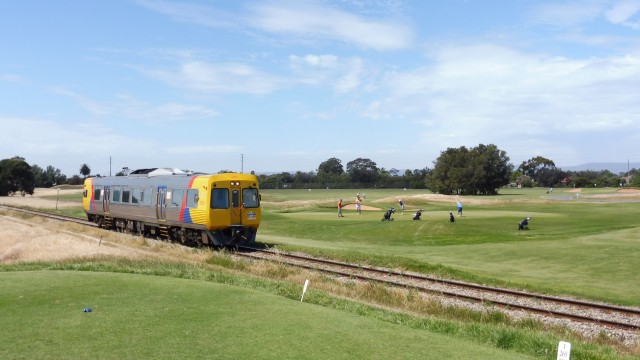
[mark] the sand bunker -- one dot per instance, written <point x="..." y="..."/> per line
<point x="362" y="207"/>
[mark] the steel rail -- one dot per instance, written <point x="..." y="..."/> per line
<point x="50" y="216"/>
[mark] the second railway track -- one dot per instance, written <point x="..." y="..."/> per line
<point x="599" y="314"/>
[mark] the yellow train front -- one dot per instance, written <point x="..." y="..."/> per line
<point x="219" y="209"/>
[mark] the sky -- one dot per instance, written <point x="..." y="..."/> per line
<point x="272" y="86"/>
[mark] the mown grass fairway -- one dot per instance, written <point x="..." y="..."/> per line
<point x="586" y="244"/>
<point x="156" y="317"/>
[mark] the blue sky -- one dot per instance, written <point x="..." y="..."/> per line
<point x="284" y="85"/>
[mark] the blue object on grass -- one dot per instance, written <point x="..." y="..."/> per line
<point x="87" y="310"/>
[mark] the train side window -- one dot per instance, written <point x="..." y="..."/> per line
<point x="126" y="194"/>
<point x="116" y="194"/>
<point x="96" y="194"/>
<point x="192" y="198"/>
<point x="135" y="195"/>
<point x="250" y="198"/>
<point x="146" y="196"/>
<point x="220" y="199"/>
<point x="176" y="197"/>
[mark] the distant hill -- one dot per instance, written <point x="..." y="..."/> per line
<point x="615" y="168"/>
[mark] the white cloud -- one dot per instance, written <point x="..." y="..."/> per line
<point x="203" y="150"/>
<point x="192" y="13"/>
<point x="219" y="78"/>
<point x="567" y="13"/>
<point x="86" y="103"/>
<point x="343" y="75"/>
<point x="133" y="108"/>
<point x="11" y="78"/>
<point x="323" y="61"/>
<point x="312" y="20"/>
<point x="351" y="79"/>
<point x="622" y="12"/>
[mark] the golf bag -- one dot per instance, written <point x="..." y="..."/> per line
<point x="387" y="215"/>
<point x="417" y="215"/>
<point x="524" y="224"/>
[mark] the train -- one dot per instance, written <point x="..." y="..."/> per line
<point x="191" y="208"/>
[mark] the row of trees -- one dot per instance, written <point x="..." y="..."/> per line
<point x="359" y="173"/>
<point x="17" y="176"/>
<point x="480" y="170"/>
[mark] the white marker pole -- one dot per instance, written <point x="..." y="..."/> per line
<point x="304" y="289"/>
<point x="564" y="351"/>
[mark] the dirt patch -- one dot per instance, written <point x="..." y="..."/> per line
<point x="422" y="198"/>
<point x="633" y="191"/>
<point x="25" y="241"/>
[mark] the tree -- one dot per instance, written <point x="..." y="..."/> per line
<point x="16" y="176"/>
<point x="330" y="171"/>
<point x="39" y="177"/>
<point x="533" y="166"/>
<point x="363" y="170"/>
<point x="332" y="166"/>
<point x="303" y="178"/>
<point x="479" y="171"/>
<point x="491" y="169"/>
<point x="451" y="172"/>
<point x="74" y="180"/>
<point x="85" y="171"/>
<point x="635" y="178"/>
<point x="48" y="177"/>
<point x="549" y="177"/>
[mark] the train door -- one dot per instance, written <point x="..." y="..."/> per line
<point x="106" y="196"/>
<point x="161" y="203"/>
<point x="236" y="207"/>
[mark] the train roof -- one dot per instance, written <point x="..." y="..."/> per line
<point x="159" y="172"/>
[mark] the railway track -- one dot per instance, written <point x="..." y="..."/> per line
<point x="591" y="313"/>
<point x="49" y="215"/>
<point x="549" y="306"/>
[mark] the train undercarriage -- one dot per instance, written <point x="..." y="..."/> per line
<point x="235" y="235"/>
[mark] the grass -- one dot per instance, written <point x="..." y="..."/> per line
<point x="137" y="316"/>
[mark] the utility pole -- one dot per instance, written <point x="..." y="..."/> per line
<point x="241" y="163"/>
<point x="109" y="165"/>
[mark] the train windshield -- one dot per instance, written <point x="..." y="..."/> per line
<point x="220" y="199"/>
<point x="250" y="198"/>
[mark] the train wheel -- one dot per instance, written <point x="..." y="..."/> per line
<point x="193" y="238"/>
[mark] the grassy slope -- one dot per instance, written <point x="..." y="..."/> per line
<point x="136" y="316"/>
